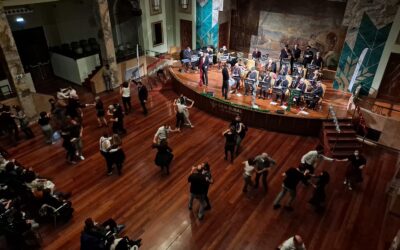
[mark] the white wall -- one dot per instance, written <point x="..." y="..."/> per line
<point x="185" y="16"/>
<point x="147" y="20"/>
<point x="390" y="47"/>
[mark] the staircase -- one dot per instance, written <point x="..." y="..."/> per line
<point x="339" y="144"/>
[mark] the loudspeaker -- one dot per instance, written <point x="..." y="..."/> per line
<point x="280" y="111"/>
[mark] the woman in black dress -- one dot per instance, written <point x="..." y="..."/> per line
<point x="164" y="155"/>
<point x="318" y="198"/>
<point x="230" y="142"/>
<point x="117" y="154"/>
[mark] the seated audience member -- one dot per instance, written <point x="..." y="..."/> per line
<point x="56" y="202"/>
<point x="293" y="243"/>
<point x="186" y="57"/>
<point x="125" y="243"/>
<point x="97" y="237"/>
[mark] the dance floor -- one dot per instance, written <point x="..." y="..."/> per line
<point x="154" y="207"/>
<point x="337" y="99"/>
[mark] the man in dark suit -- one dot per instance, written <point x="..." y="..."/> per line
<point x="143" y="94"/>
<point x="296" y="53"/>
<point x="271" y="66"/>
<point x="318" y="61"/>
<point x="308" y="56"/>
<point x="225" y="81"/>
<point x="204" y="63"/>
<point x="256" y="54"/>
<point x="285" y="54"/>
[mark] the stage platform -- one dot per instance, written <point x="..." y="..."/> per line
<point x="294" y="121"/>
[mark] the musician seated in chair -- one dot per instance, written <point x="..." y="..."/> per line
<point x="256" y="54"/>
<point x="284" y="70"/>
<point x="299" y="71"/>
<point x="236" y="70"/>
<point x="283" y="84"/>
<point x="271" y="66"/>
<point x="186" y="58"/>
<point x="253" y="78"/>
<point x="265" y="85"/>
<point x="302" y="87"/>
<point x="318" y="61"/>
<point x="317" y="95"/>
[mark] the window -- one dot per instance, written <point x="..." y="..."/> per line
<point x="157" y="33"/>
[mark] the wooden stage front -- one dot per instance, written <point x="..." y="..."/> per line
<point x="293" y="121"/>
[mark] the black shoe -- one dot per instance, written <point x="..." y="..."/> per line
<point x="277" y="206"/>
<point x="189" y="207"/>
<point x="200" y="217"/>
<point x="207" y="208"/>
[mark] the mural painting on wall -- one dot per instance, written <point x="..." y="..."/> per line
<point x="366" y="36"/>
<point x="206" y="29"/>
<point x="322" y="34"/>
<point x="369" y="25"/>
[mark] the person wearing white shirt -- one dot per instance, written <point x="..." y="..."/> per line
<point x="125" y="91"/>
<point x="309" y="160"/>
<point x="182" y="114"/>
<point x="293" y="243"/>
<point x="162" y="133"/>
<point x="248" y="173"/>
<point x="105" y="144"/>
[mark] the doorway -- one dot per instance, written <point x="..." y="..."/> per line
<point x="33" y="51"/>
<point x="223" y="35"/>
<point x="186" y="33"/>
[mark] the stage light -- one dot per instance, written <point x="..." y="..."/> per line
<point x="20" y="20"/>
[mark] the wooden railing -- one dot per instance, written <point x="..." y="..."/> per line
<point x="370" y="104"/>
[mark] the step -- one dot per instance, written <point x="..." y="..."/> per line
<point x="342" y="138"/>
<point x="341" y="124"/>
<point x="344" y="145"/>
<point x="342" y="154"/>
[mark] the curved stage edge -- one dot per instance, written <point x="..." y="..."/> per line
<point x="263" y="119"/>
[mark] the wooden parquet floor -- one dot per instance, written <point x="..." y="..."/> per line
<point x="154" y="207"/>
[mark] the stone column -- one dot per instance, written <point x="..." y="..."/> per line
<point x="107" y="43"/>
<point x="14" y="64"/>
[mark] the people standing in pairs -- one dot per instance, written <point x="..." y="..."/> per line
<point x="76" y="130"/>
<point x="67" y="143"/>
<point x="117" y="119"/>
<point x="198" y="186"/>
<point x="105" y="145"/>
<point x="240" y="130"/>
<point x="230" y="141"/>
<point x="354" y="169"/>
<point x="206" y="172"/>
<point x="318" y="198"/>
<point x="164" y="156"/>
<point x="125" y="91"/>
<point x="117" y="153"/>
<point x="143" y="95"/>
<point x="100" y="112"/>
<point x="248" y="174"/>
<point x="182" y="114"/>
<point x="44" y="123"/>
<point x="163" y="133"/>
<point x="292" y="178"/>
<point x="262" y="163"/>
